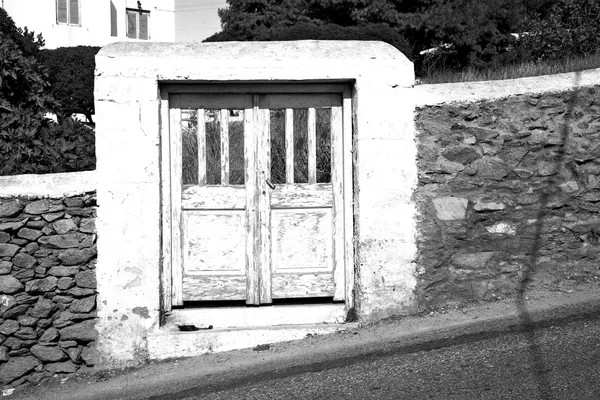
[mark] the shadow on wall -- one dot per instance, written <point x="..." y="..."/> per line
<point x="508" y="200"/>
<point x="552" y="184"/>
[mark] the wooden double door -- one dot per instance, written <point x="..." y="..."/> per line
<point x="257" y="197"/>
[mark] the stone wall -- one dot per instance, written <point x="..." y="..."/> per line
<point x="508" y="195"/>
<point x="47" y="286"/>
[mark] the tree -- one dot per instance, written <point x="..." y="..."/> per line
<point x="571" y="28"/>
<point x="30" y="143"/>
<point x="23" y="82"/>
<point x="472" y="32"/>
<point x="71" y="77"/>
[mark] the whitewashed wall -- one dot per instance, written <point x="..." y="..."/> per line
<point x="128" y="76"/>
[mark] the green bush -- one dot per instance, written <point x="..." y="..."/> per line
<point x="572" y="28"/>
<point x="71" y="77"/>
<point x="30" y="143"/>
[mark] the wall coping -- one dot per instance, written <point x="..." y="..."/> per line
<point x="48" y="185"/>
<point x="432" y="94"/>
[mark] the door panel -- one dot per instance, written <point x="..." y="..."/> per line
<point x="302" y="215"/>
<point x="301" y="241"/>
<point x="213" y="196"/>
<point x="257" y="205"/>
<point x="213" y="243"/>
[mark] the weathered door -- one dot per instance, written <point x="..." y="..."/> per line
<point x="257" y="197"/>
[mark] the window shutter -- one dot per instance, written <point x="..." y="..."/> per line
<point x="61" y="11"/>
<point x="74" y="12"/>
<point x="113" y="19"/>
<point x="143" y="26"/>
<point x="131" y="25"/>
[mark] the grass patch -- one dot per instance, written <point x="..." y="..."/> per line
<point x="533" y="68"/>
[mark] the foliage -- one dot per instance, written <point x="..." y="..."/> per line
<point x="26" y="41"/>
<point x="571" y="28"/>
<point x="467" y="33"/>
<point x="312" y="31"/>
<point x="30" y="143"/>
<point x="516" y="70"/>
<point x="53" y="148"/>
<point x="71" y="77"/>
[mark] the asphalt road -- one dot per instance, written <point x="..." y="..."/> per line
<point x="559" y="361"/>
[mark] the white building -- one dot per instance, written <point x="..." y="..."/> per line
<point x="99" y="22"/>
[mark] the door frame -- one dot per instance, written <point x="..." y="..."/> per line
<point x="168" y="168"/>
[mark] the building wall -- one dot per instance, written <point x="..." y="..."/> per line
<point x="95" y="26"/>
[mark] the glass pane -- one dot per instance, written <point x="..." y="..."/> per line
<point x="236" y="147"/>
<point x="301" y="145"/>
<point x="189" y="147"/>
<point x="278" y="164"/>
<point x="213" y="147"/>
<point x="132" y="25"/>
<point x="323" y="145"/>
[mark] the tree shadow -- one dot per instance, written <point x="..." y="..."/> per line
<point x="527" y="323"/>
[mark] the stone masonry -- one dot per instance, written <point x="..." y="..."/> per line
<point x="508" y="196"/>
<point x="47" y="287"/>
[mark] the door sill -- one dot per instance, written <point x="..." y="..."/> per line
<point x="172" y="343"/>
<point x="252" y="317"/>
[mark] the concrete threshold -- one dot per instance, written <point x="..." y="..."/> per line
<point x="170" y="342"/>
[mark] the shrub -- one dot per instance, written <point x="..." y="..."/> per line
<point x="572" y="28"/>
<point x="65" y="147"/>
<point x="71" y="77"/>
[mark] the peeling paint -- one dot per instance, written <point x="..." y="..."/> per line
<point x="133" y="283"/>
<point x="141" y="311"/>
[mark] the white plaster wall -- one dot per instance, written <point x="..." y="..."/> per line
<point x="48" y="185"/>
<point x="432" y="94"/>
<point x="127" y="115"/>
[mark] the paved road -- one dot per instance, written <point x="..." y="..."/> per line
<point x="560" y="361"/>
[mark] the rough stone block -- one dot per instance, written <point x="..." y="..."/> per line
<point x="10" y="284"/>
<point x="65" y="367"/>
<point x="473" y="260"/>
<point x="82" y="332"/>
<point x="16" y="311"/>
<point x="63" y="271"/>
<point x="77" y="257"/>
<point x="9" y="327"/>
<point x="6" y="303"/>
<point x="41" y="285"/>
<point x="5" y="267"/>
<point x="86" y="279"/>
<point x="26" y="333"/>
<point x="48" y="353"/>
<point x="19" y="242"/>
<point x="50" y="335"/>
<point x="84" y="305"/>
<point x="4" y="237"/>
<point x="8" y="250"/>
<point x="12" y="226"/>
<point x="65" y="283"/>
<point x="450" y="208"/>
<point x="27" y="321"/>
<point x="43" y="308"/>
<point x="63" y="226"/>
<point x="60" y="241"/>
<point x="29" y="234"/>
<point x="74" y="202"/>
<point x="24" y="260"/>
<point x="10" y="208"/>
<point x="17" y="367"/>
<point x="87" y="225"/>
<point x="43" y="206"/>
